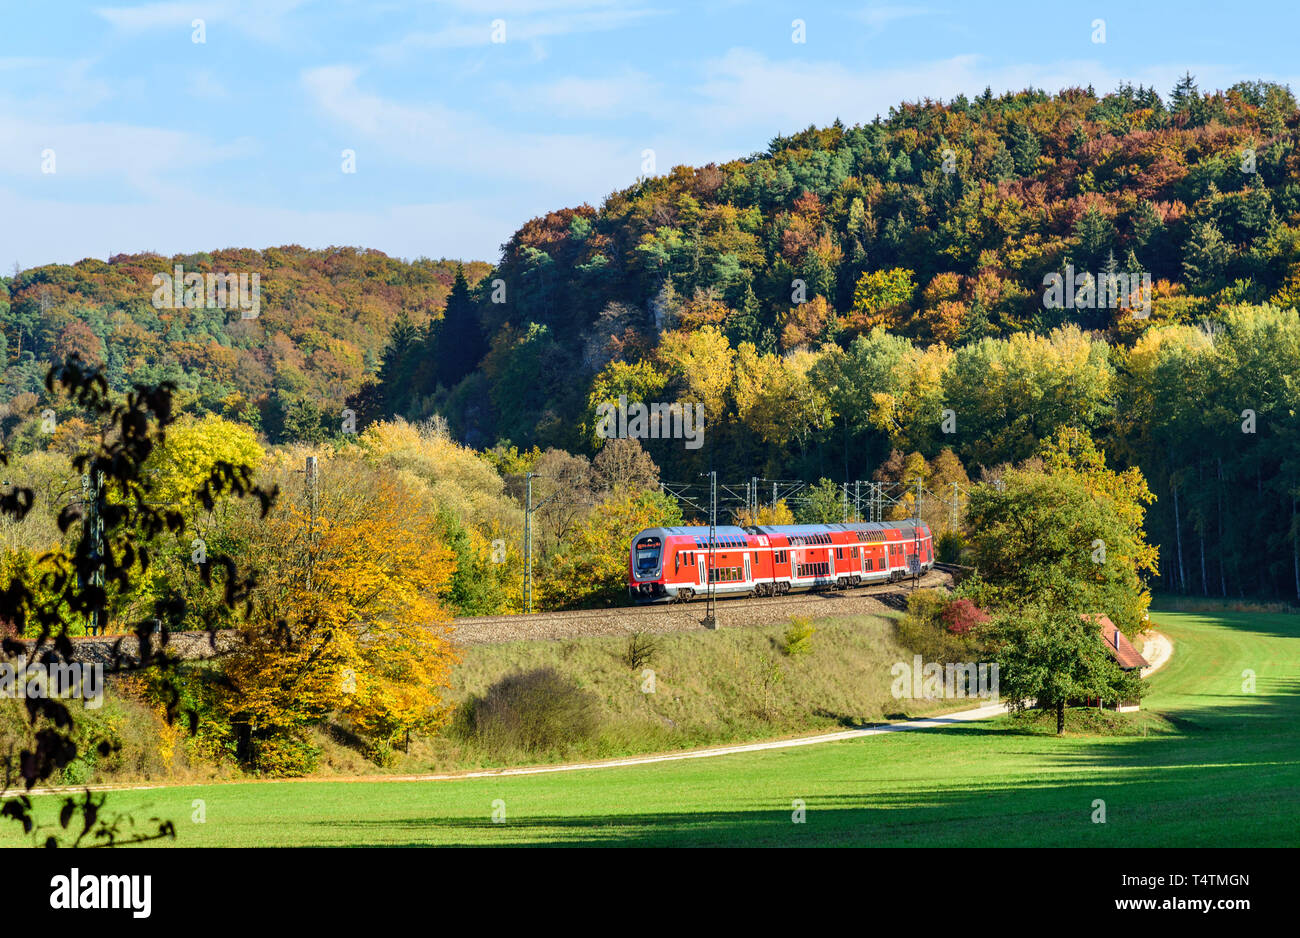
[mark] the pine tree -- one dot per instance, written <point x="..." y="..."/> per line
<point x="1024" y="147"/>
<point x="1183" y="94"/>
<point x="1205" y="257"/>
<point x="1002" y="166"/>
<point x="461" y="345"/>
<point x="397" y="364"/>
<point x="743" y="324"/>
<point x="1095" y="236"/>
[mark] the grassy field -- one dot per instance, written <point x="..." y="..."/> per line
<point x="1221" y="767"/>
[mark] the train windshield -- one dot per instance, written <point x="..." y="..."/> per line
<point x="647" y="555"/>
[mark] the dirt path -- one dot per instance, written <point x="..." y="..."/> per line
<point x="1157" y="649"/>
<point x="949" y="719"/>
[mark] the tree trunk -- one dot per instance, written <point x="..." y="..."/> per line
<point x="1060" y="717"/>
<point x="1178" y="536"/>
<point x="1223" y="548"/>
<point x="1205" y="589"/>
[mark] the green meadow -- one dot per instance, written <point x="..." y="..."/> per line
<point x="1210" y="761"/>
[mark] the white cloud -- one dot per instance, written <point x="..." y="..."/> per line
<point x="619" y="94"/>
<point x="263" y="20"/>
<point x="524" y="23"/>
<point x="433" y="135"/>
<point x="83" y="150"/>
<point x="879" y="16"/>
<point x="744" y="89"/>
<point x="204" y="84"/>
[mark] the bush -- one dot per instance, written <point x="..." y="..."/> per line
<point x="924" y="630"/>
<point x="962" y="616"/>
<point x="926" y="605"/>
<point x="798" y="638"/>
<point x="949" y="547"/>
<point x="533" y="711"/>
<point x="641" y="648"/>
<point x="286" y="755"/>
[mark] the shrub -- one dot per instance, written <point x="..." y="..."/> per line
<point x="285" y="755"/>
<point x="924" y="630"/>
<point x="534" y="711"/>
<point x="798" y="638"/>
<point x="640" y="649"/>
<point x="949" y="547"/>
<point x="926" y="605"/>
<point x="961" y="616"/>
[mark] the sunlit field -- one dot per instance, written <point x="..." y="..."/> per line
<point x="1218" y="765"/>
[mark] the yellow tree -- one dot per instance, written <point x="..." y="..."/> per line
<point x="347" y="617"/>
<point x="779" y="513"/>
<point x="591" y="567"/>
<point x="192" y="449"/>
<point x="700" y="364"/>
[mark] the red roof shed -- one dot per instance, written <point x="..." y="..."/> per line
<point x="1117" y="644"/>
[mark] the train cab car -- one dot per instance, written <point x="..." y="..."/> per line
<point x="679" y="564"/>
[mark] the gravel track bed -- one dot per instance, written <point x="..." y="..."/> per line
<point x="555" y="626"/>
<point x="686" y="617"/>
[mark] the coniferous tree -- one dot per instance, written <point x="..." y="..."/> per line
<point x="461" y="345"/>
<point x="1024" y="147"/>
<point x="1095" y="236"/>
<point x="396" y="365"/>
<point x="1205" y="257"/>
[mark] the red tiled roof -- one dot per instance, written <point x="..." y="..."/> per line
<point x="1118" y="645"/>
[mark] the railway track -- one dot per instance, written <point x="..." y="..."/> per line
<point x="617" y="620"/>
<point x="676" y="617"/>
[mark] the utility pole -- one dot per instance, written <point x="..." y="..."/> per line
<point x="953" y="521"/>
<point x="309" y="477"/>
<point x="710" y="617"/>
<point x="754" y="480"/>
<point x="528" y="542"/>
<point x="92" y="487"/>
<point x="844" y="501"/>
<point x="857" y="499"/>
<point x="916" y="537"/>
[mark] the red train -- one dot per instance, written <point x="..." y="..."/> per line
<point x="672" y="564"/>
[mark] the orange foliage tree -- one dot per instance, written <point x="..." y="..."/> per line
<point x="348" y="617"/>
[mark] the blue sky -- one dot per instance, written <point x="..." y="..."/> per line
<point x="161" y="143"/>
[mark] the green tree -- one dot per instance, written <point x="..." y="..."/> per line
<point x="460" y="341"/>
<point x="1205" y="257"/>
<point x="1052" y="539"/>
<point x="1048" y="657"/>
<point x="822" y="503"/>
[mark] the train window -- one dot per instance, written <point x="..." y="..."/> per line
<point x="647" y="555"/>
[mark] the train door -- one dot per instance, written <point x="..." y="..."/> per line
<point x="703" y="568"/>
<point x="748" y="575"/>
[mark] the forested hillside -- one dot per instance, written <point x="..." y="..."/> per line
<point x="856" y="302"/>
<point x="828" y="300"/>
<point x="322" y="323"/>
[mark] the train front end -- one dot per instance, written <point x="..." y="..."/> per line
<point x="646" y="582"/>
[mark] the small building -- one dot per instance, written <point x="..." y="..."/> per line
<point x="1125" y="655"/>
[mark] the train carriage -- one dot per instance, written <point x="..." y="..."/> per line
<point x="676" y="565"/>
